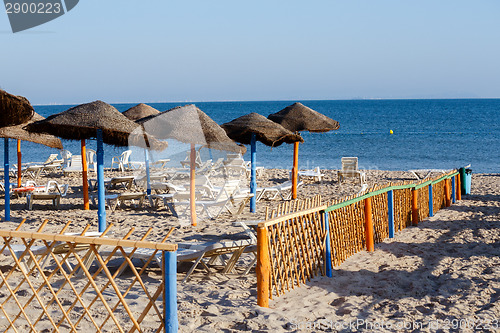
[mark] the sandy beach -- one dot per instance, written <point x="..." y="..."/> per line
<point x="445" y="269"/>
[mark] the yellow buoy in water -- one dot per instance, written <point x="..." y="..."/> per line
<point x="391" y="132"/>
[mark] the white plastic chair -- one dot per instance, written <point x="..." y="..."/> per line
<point x="92" y="159"/>
<point x="122" y="161"/>
<point x="66" y="156"/>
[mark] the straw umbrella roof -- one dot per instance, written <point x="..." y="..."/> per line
<point x="17" y="132"/>
<point x="14" y="110"/>
<point x="140" y="111"/>
<point x="189" y="124"/>
<point x="298" y="117"/>
<point x="82" y="122"/>
<point x="268" y="132"/>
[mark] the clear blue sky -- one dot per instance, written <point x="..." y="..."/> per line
<point x="199" y="50"/>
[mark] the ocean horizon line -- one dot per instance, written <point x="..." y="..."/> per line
<point x="288" y="100"/>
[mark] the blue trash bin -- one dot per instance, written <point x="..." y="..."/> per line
<point x="468" y="180"/>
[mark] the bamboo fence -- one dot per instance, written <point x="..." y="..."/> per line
<point x="296" y="245"/>
<point x="292" y="206"/>
<point x="60" y="282"/>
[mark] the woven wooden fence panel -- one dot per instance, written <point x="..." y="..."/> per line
<point x="71" y="287"/>
<point x="296" y="251"/>
<point x="380" y="216"/>
<point x="423" y="203"/>
<point x="402" y="209"/>
<point x="347" y="231"/>
<point x="438" y="196"/>
<point x="292" y="206"/>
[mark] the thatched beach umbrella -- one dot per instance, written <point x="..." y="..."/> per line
<point x="92" y="120"/>
<point x="18" y="133"/>
<point x="298" y="117"/>
<point x="140" y="111"/>
<point x="254" y="127"/>
<point x="188" y="124"/>
<point x="14" y="110"/>
<point x="136" y="113"/>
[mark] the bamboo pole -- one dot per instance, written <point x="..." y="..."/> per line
<point x="370" y="247"/>
<point x="262" y="268"/>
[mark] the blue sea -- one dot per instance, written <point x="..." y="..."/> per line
<point x="437" y="134"/>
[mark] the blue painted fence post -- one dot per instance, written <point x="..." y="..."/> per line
<point x="253" y="175"/>
<point x="431" y="201"/>
<point x="390" y="209"/>
<point x="170" y="291"/>
<point x="453" y="192"/>
<point x="328" y="248"/>
<point x="101" y="208"/>
<point x="6" y="178"/>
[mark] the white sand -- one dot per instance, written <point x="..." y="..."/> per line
<point x="448" y="267"/>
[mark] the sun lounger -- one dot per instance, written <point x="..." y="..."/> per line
<point x="282" y="190"/>
<point x="219" y="204"/>
<point x="350" y="169"/>
<point x="191" y="252"/>
<point x="75" y="165"/>
<point x="114" y="200"/>
<point x="427" y="172"/>
<point x="52" y="191"/>
<point x="315" y="173"/>
<point x="40" y="252"/>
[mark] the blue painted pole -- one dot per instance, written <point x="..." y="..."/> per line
<point x="253" y="174"/>
<point x="453" y="192"/>
<point x="328" y="248"/>
<point x="170" y="291"/>
<point x="148" y="177"/>
<point x="6" y="178"/>
<point x="431" y="201"/>
<point x="101" y="205"/>
<point x="390" y="208"/>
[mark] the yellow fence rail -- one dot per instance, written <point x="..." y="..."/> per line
<point x="295" y="247"/>
<point x="61" y="282"/>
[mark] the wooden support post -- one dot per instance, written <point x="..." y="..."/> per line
<point x="453" y="187"/>
<point x="295" y="169"/>
<point x="86" y="205"/>
<point x="170" y="291"/>
<point x="19" y="160"/>
<point x="431" y="201"/>
<point x="390" y="208"/>
<point x="414" y="207"/>
<point x="263" y="268"/>
<point x="447" y="199"/>
<point x="192" y="186"/>
<point x="459" y="188"/>
<point x="370" y="243"/>
<point x="328" y="247"/>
